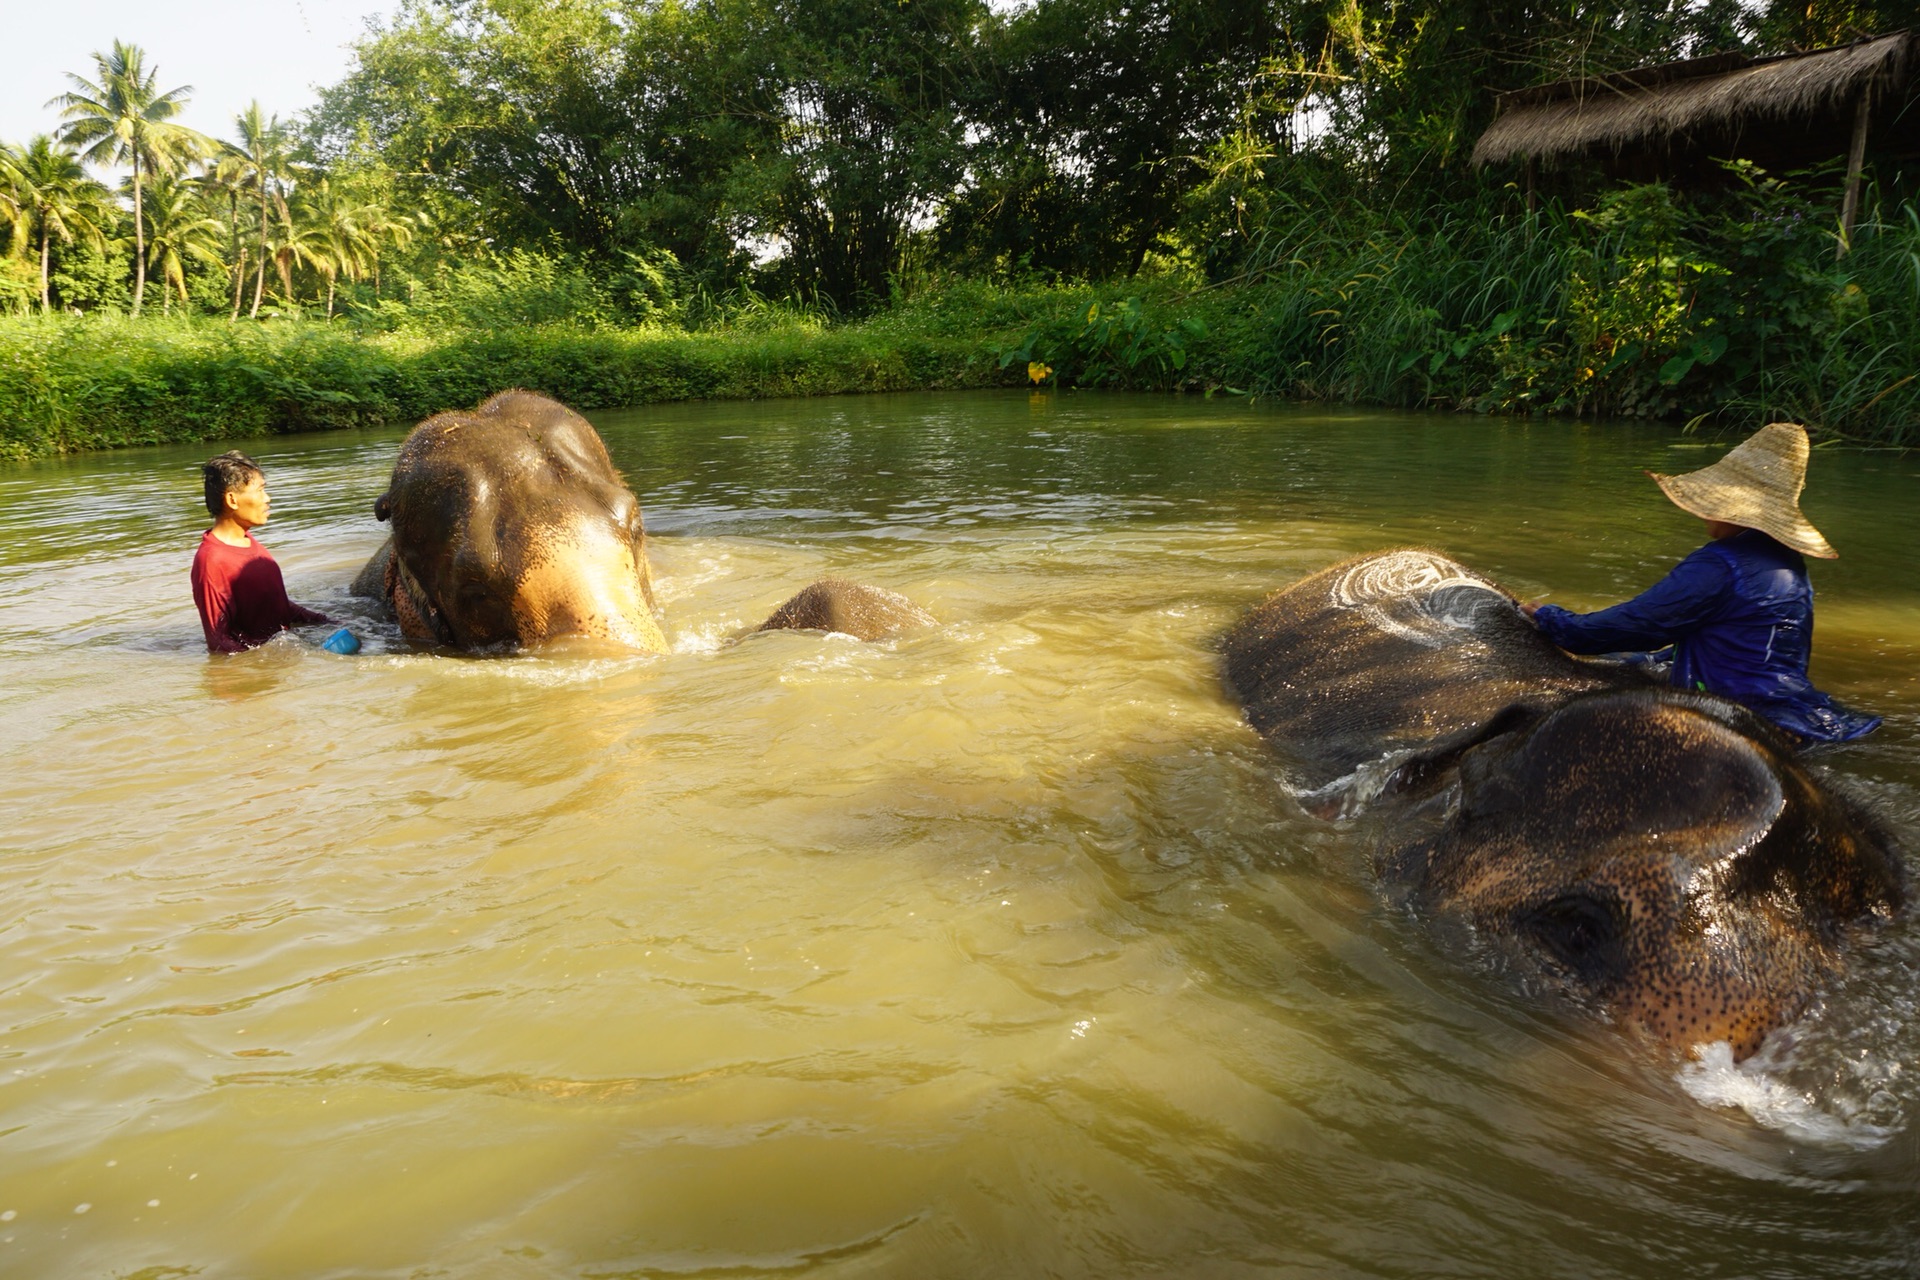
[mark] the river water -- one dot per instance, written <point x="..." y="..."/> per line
<point x="993" y="951"/>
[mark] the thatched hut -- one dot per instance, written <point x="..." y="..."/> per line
<point x="1783" y="112"/>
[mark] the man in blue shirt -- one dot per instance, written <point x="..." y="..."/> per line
<point x="1739" y="611"/>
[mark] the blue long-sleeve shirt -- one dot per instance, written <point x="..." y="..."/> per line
<point x="1739" y="615"/>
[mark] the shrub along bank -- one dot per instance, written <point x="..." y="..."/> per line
<point x="1734" y="310"/>
<point x="84" y="383"/>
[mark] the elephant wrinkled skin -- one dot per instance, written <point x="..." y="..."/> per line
<point x="511" y="527"/>
<point x="1659" y="852"/>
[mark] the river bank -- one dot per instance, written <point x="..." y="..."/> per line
<point x="78" y="384"/>
<point x="1635" y="308"/>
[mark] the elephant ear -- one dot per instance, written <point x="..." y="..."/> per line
<point x="1390" y="656"/>
<point x="1830" y="855"/>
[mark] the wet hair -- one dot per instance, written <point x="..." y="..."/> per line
<point x="231" y="470"/>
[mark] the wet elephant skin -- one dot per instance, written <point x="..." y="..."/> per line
<point x="1664" y="855"/>
<point x="512" y="527"/>
<point x="849" y="608"/>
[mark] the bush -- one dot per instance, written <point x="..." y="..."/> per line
<point x="1642" y="304"/>
<point x="87" y="382"/>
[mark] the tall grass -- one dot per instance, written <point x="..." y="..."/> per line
<point x="1734" y="307"/>
<point x="73" y="383"/>
<point x="1641" y="304"/>
<point x="1853" y="364"/>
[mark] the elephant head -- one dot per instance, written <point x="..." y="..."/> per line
<point x="1663" y="853"/>
<point x="512" y="527"/>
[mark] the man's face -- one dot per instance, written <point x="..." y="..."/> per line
<point x="249" y="504"/>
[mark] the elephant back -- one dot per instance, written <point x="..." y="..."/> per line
<point x="1392" y="653"/>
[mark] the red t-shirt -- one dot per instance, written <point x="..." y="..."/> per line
<point x="241" y="596"/>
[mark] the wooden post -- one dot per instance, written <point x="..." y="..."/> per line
<point x="1530" y="197"/>
<point x="1856" y="160"/>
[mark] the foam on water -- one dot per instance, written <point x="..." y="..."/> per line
<point x="1760" y="1088"/>
<point x="710" y="637"/>
<point x="1351" y="793"/>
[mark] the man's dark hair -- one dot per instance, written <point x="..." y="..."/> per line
<point x="231" y="470"/>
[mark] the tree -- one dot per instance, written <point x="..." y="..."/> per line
<point x="14" y="289"/>
<point x="181" y="230"/>
<point x="260" y="157"/>
<point x="505" y="117"/>
<point x="866" y="139"/>
<point x="54" y="200"/>
<point x="335" y="237"/>
<point x="1808" y="24"/>
<point x="686" y="125"/>
<point x="382" y="224"/>
<point x="123" y="120"/>
<point x="10" y="204"/>
<point x="299" y="239"/>
<point x="227" y="176"/>
<point x="1091" y="118"/>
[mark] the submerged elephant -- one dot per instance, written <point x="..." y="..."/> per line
<point x="1661" y="853"/>
<point x="848" y="608"/>
<point x="512" y="527"/>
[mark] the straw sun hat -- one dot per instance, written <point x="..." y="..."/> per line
<point x="1757" y="486"/>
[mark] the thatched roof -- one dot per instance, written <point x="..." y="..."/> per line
<point x="1722" y="95"/>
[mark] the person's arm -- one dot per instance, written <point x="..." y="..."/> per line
<point x="300" y="616"/>
<point x="290" y="614"/>
<point x="1667" y="611"/>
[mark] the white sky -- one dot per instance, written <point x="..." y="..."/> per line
<point x="230" y="51"/>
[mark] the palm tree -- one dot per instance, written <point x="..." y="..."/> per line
<point x="9" y="195"/>
<point x="227" y="176"/>
<point x="55" y="200"/>
<point x="381" y="224"/>
<point x="182" y="229"/>
<point x="299" y="240"/>
<point x="345" y="235"/>
<point x="123" y="120"/>
<point x="261" y="154"/>
<point x="13" y="224"/>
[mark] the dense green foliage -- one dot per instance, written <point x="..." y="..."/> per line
<point x="88" y="382"/>
<point x="1641" y="305"/>
<point x="600" y="197"/>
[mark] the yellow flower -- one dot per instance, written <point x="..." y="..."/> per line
<point x="1038" y="372"/>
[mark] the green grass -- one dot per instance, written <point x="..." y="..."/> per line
<point x="1640" y="306"/>
<point x="75" y="383"/>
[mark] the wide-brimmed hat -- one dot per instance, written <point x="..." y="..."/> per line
<point x="1757" y="486"/>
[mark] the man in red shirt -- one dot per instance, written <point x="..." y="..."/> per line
<point x="236" y="583"/>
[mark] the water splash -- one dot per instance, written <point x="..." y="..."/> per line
<point x="1765" y="1088"/>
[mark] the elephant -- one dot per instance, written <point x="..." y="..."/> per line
<point x="511" y="527"/>
<point x="1662" y="855"/>
<point x="849" y="608"/>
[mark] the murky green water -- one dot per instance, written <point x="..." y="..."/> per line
<point x="997" y="951"/>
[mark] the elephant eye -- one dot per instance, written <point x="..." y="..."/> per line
<point x="1581" y="932"/>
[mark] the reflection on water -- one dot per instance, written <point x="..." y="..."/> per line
<point x="995" y="950"/>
